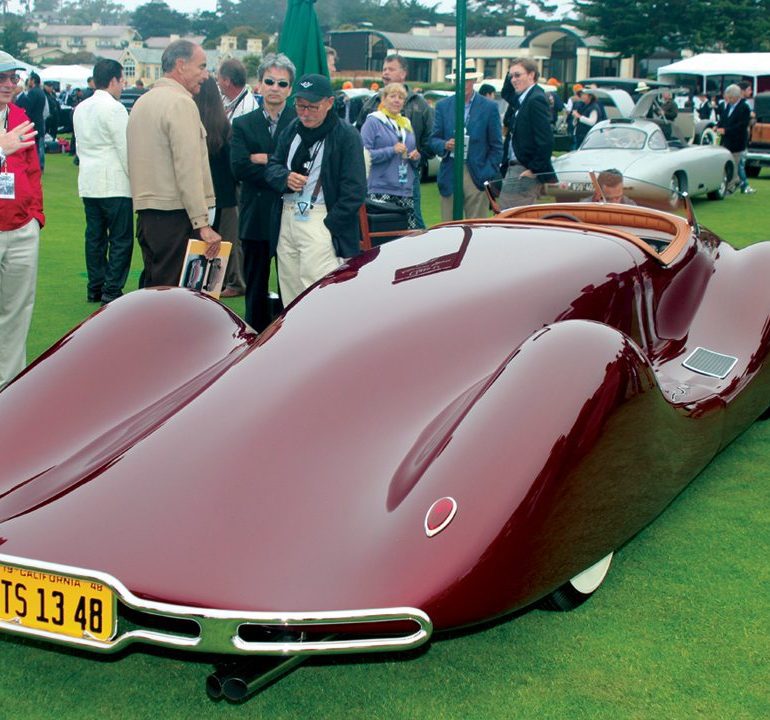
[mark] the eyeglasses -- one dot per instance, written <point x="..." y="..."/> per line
<point x="279" y="83"/>
<point x="304" y="108"/>
<point x="9" y="78"/>
<point x="517" y="75"/>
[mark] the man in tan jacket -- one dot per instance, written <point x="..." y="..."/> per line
<point x="168" y="166"/>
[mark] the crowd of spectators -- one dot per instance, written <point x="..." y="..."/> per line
<point x="204" y="157"/>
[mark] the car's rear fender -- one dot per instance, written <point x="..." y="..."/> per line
<point x="566" y="456"/>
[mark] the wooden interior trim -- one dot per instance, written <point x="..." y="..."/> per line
<point x="597" y="216"/>
<point x="366" y="235"/>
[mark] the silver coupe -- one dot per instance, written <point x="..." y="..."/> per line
<point x="639" y="148"/>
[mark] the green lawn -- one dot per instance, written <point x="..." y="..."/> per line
<point x="679" y="630"/>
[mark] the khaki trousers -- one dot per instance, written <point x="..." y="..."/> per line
<point x="475" y="201"/>
<point x="18" y="278"/>
<point x="305" y="251"/>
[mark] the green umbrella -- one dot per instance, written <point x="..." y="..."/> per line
<point x="301" y="38"/>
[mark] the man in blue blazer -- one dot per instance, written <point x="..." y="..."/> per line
<point x="483" y="148"/>
<point x="529" y="142"/>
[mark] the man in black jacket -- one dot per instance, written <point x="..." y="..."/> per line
<point x="319" y="167"/>
<point x="54" y="109"/>
<point x="733" y="126"/>
<point x="529" y="142"/>
<point x="255" y="136"/>
<point x="36" y="106"/>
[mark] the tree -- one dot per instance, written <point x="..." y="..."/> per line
<point x="208" y="24"/>
<point x="85" y="12"/>
<point x="46" y="6"/>
<point x="251" y="62"/>
<point x="491" y="18"/>
<point x="265" y="15"/>
<point x="14" y="37"/>
<point x="158" y="19"/>
<point x="639" y="27"/>
<point x="736" y="25"/>
<point x="83" y="57"/>
<point x="629" y="27"/>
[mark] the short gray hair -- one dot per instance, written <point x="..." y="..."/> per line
<point x="276" y="60"/>
<point x="177" y="50"/>
<point x="732" y="91"/>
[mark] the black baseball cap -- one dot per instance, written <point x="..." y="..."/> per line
<point x="313" y="88"/>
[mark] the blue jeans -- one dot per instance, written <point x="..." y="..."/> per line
<point x="743" y="181"/>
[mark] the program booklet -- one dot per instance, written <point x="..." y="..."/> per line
<point x="201" y="274"/>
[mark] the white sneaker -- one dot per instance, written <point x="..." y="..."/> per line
<point x="748" y="190"/>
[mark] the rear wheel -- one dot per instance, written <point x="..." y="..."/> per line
<point x="708" y="137"/>
<point x="576" y="591"/>
<point x="721" y="191"/>
<point x="678" y="185"/>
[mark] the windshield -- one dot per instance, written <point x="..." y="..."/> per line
<point x="615" y="137"/>
<point x="605" y="185"/>
<point x="605" y="197"/>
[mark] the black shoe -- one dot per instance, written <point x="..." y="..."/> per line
<point x="94" y="298"/>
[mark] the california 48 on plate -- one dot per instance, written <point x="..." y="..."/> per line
<point x="57" y="604"/>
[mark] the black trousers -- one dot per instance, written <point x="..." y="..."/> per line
<point x="256" y="268"/>
<point x="109" y="245"/>
<point x="162" y="235"/>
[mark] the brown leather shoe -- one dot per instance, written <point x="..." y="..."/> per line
<point x="230" y="292"/>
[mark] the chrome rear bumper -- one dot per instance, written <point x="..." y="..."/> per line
<point x="212" y="630"/>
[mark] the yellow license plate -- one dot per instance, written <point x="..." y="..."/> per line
<point x="60" y="604"/>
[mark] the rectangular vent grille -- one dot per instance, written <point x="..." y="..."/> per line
<point x="708" y="362"/>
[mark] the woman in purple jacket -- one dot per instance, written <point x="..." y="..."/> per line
<point x="388" y="137"/>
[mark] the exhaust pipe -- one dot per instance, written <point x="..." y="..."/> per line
<point x="238" y="680"/>
<point x="242" y="685"/>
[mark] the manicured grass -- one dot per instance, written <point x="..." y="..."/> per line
<point x="679" y="630"/>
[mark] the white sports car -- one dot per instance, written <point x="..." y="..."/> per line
<point x="638" y="148"/>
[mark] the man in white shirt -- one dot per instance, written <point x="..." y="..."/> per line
<point x="100" y="125"/>
<point x="236" y="94"/>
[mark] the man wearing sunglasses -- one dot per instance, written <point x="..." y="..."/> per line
<point x="254" y="139"/>
<point x="529" y="141"/>
<point x="318" y="166"/>
<point x="21" y="217"/>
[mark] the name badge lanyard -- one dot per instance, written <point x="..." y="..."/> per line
<point x="302" y="206"/>
<point x="403" y="172"/>
<point x="7" y="180"/>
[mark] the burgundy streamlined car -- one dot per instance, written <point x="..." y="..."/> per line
<point x="447" y="428"/>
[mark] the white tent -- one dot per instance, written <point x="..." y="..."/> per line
<point x="75" y="75"/>
<point x="731" y="66"/>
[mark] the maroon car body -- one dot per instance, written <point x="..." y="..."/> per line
<point x="531" y="371"/>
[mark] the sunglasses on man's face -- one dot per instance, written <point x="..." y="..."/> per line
<point x="13" y="78"/>
<point x="280" y="83"/>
